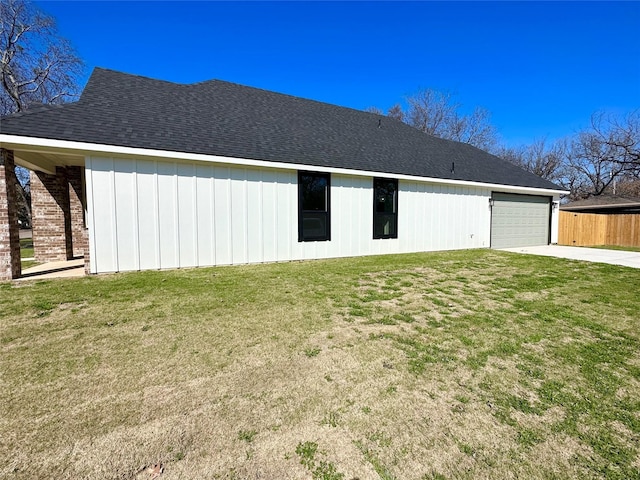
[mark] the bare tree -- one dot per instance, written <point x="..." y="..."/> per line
<point x="547" y="160"/>
<point x="23" y="190"/>
<point x="601" y="159"/>
<point x="36" y="64"/>
<point x="375" y="110"/>
<point x="590" y="160"/>
<point x="396" y="112"/>
<point x="434" y="112"/>
<point x="622" y="135"/>
<point x="605" y="154"/>
<point x="474" y="129"/>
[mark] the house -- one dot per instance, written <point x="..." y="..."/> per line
<point x="147" y="174"/>
<point x="601" y="220"/>
<point x="604" y="204"/>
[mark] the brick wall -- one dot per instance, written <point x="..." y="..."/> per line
<point x="87" y="256"/>
<point x="9" y="232"/>
<point x="76" y="209"/>
<point x="51" y="216"/>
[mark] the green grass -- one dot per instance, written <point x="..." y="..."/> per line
<point x="26" y="248"/>
<point x="452" y="365"/>
<point x="26" y="251"/>
<point x="319" y="469"/>
<point x="247" y="435"/>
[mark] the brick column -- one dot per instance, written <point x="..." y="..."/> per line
<point x="10" y="267"/>
<point x="76" y="209"/>
<point x="51" y="216"/>
<point x="87" y="256"/>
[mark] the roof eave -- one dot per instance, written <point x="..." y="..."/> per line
<point x="614" y="206"/>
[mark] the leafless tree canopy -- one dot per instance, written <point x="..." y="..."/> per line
<point x="547" y="160"/>
<point x="603" y="158"/>
<point x="396" y="112"/>
<point x="36" y="64"/>
<point x="375" y="110"/>
<point x="434" y="112"/>
<point x="605" y="154"/>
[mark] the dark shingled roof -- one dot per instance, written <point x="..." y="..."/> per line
<point x="221" y="118"/>
<point x="604" y="204"/>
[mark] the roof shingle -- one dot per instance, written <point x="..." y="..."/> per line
<point x="226" y="119"/>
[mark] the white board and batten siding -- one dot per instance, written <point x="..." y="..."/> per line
<point x="146" y="214"/>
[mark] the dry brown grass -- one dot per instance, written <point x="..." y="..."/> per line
<point x="452" y="365"/>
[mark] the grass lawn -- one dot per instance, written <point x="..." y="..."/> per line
<point x="26" y="251"/>
<point x="26" y="248"/>
<point x="453" y="365"/>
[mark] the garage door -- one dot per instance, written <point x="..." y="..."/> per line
<point x="519" y="220"/>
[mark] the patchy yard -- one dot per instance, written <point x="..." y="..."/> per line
<point x="473" y="364"/>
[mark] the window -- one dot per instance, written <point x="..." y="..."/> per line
<point x="385" y="208"/>
<point x="314" y="223"/>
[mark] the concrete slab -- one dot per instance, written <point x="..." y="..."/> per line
<point x="613" y="257"/>
<point x="65" y="269"/>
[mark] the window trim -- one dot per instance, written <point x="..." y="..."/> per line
<point x="395" y="213"/>
<point x="301" y="212"/>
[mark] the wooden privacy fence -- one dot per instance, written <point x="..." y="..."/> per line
<point x="585" y="229"/>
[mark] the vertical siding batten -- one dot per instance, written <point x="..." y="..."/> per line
<point x="186" y="214"/>
<point x="214" y="217"/>
<point x="136" y="230"/>
<point x="124" y="226"/>
<point x="255" y="212"/>
<point x="203" y="215"/>
<point x="261" y="216"/>
<point x="156" y="206"/>
<point x="276" y="190"/>
<point x="104" y="212"/>
<point x="238" y="216"/>
<point x="168" y="215"/>
<point x="147" y="225"/>
<point x="194" y="200"/>
<point x="114" y="216"/>
<point x="176" y="212"/>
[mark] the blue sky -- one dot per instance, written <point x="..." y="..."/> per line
<point x="541" y="69"/>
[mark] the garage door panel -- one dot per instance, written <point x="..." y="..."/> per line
<point x="519" y="220"/>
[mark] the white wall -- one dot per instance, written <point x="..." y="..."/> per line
<point x="146" y="214"/>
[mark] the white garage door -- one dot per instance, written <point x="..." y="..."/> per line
<point x="519" y="220"/>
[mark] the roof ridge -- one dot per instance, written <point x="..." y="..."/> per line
<point x="134" y="75"/>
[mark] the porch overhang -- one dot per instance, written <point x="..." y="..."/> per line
<point x="36" y="155"/>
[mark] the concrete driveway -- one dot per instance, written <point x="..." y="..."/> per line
<point x="614" y="257"/>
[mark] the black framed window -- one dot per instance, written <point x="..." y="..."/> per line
<point x="385" y="208"/>
<point x="314" y="202"/>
